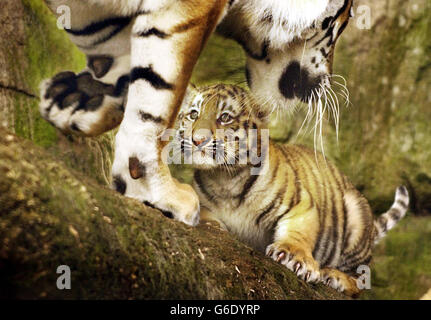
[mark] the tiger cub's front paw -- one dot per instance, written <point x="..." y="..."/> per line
<point x="295" y="259"/>
<point x="80" y="104"/>
<point x="340" y="281"/>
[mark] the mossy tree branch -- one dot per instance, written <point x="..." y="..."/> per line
<point x="116" y="247"/>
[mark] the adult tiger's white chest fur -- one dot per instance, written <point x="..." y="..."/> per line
<point x="289" y="18"/>
<point x="141" y="54"/>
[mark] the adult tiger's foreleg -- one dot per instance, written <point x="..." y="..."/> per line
<point x="165" y="47"/>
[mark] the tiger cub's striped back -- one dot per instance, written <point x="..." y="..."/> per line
<point x="297" y="207"/>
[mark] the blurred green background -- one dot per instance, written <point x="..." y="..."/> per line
<point x="385" y="131"/>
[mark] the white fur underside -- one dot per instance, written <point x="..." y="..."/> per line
<point x="289" y="18"/>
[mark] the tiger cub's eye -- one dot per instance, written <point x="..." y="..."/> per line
<point x="225" y="118"/>
<point x="194" y="115"/>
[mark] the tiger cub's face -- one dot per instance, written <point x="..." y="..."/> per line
<point x="218" y="126"/>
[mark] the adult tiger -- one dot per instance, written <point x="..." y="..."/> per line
<point x="145" y="50"/>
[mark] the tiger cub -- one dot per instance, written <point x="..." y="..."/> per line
<point x="284" y="200"/>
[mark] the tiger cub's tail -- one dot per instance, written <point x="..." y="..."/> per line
<point x="390" y="218"/>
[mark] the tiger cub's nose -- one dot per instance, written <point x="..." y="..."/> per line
<point x="201" y="137"/>
<point x="200" y="141"/>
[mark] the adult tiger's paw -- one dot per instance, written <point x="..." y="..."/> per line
<point x="182" y="201"/>
<point x="172" y="198"/>
<point x="296" y="260"/>
<point x="81" y="105"/>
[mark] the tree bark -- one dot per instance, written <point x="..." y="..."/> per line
<point x="115" y="247"/>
